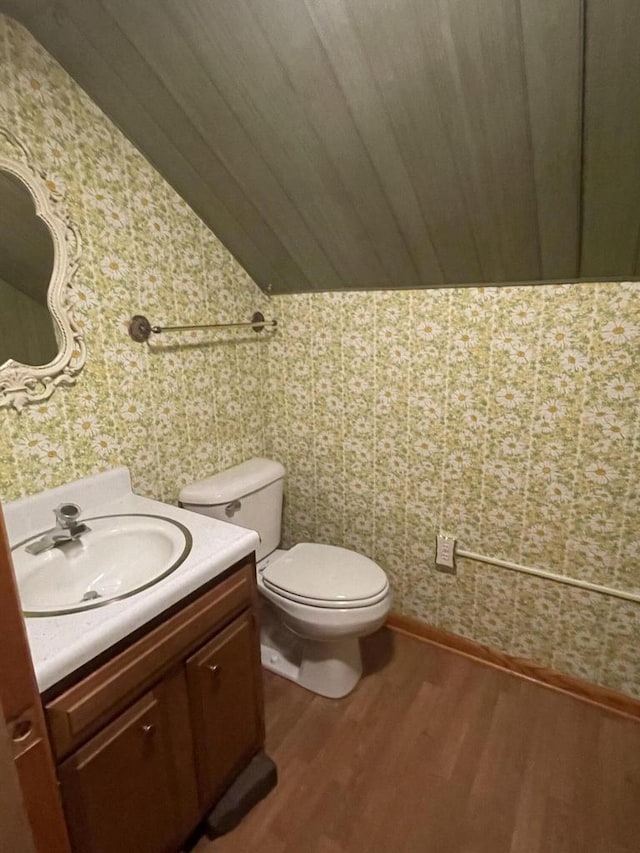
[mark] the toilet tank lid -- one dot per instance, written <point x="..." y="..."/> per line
<point x="232" y="484"/>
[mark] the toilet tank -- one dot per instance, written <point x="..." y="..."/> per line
<point x="249" y="495"/>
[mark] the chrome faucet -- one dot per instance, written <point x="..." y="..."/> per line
<point x="68" y="528"/>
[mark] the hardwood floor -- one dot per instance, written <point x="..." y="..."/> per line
<point x="434" y="752"/>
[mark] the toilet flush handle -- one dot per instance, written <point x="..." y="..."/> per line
<point x="231" y="509"/>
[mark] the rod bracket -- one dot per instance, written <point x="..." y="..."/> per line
<point x="140" y="328"/>
<point x="258" y="318"/>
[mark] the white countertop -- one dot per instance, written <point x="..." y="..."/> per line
<point x="61" y="644"/>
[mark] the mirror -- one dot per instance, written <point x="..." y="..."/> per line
<point x="26" y="263"/>
<point x="40" y="345"/>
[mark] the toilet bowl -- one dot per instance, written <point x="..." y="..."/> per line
<point x="326" y="613"/>
<point x="317" y="599"/>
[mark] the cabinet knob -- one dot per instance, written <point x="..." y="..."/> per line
<point x="148" y="729"/>
<point x="215" y="670"/>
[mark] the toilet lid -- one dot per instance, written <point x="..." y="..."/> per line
<point x="326" y="573"/>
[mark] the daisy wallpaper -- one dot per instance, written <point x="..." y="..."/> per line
<point x="506" y="416"/>
<point x="172" y="414"/>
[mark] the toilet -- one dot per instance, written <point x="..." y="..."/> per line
<point x="318" y="599"/>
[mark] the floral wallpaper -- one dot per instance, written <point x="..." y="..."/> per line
<point x="174" y="411"/>
<point x="506" y="416"/>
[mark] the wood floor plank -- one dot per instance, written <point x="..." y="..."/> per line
<point x="436" y="752"/>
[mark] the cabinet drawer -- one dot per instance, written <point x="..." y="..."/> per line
<point x="84" y="708"/>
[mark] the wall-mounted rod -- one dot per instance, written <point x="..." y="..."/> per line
<point x="141" y="329"/>
<point x="551" y="576"/>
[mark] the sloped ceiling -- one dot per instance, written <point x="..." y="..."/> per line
<point x="338" y="144"/>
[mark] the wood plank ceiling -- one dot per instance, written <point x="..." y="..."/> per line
<point x="336" y="144"/>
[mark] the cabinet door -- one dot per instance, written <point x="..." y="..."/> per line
<point x="224" y="691"/>
<point x="121" y="790"/>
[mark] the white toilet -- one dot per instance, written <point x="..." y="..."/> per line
<point x="320" y="598"/>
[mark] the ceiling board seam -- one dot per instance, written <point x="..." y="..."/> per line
<point x="583" y="112"/>
<point x="531" y="152"/>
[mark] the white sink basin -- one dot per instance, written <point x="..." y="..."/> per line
<point x="120" y="555"/>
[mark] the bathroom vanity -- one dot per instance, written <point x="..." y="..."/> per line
<point x="147" y="742"/>
<point x="153" y="700"/>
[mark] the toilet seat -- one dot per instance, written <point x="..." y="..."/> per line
<point x="326" y="576"/>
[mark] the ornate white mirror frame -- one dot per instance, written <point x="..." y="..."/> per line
<point x="21" y="384"/>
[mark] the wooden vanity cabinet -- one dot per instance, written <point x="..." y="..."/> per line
<point x="149" y="741"/>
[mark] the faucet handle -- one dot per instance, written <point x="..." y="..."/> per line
<point x="67" y="515"/>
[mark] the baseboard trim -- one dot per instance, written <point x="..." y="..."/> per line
<point x="585" y="691"/>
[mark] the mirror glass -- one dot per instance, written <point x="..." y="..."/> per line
<point x="27" y="332"/>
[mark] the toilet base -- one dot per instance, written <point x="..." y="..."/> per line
<point x="330" y="669"/>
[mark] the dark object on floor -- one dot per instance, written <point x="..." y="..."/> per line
<point x="252" y="785"/>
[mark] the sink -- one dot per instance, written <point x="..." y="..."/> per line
<point x="141" y="559"/>
<point x="120" y="555"/>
